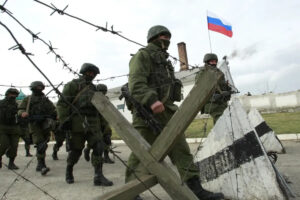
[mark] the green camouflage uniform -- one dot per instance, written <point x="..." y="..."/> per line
<point x="152" y="79"/>
<point x="79" y="134"/>
<point x="83" y="127"/>
<point x="216" y="107"/>
<point x="40" y="109"/>
<point x="9" y="130"/>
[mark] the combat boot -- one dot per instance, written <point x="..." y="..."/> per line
<point x="11" y="164"/>
<point x="28" y="154"/>
<point x="69" y="174"/>
<point x="54" y="155"/>
<point x="44" y="169"/>
<point x="27" y="148"/>
<point x="107" y="158"/>
<point x="194" y="184"/>
<point x="86" y="153"/>
<point x="39" y="165"/>
<point x="99" y="178"/>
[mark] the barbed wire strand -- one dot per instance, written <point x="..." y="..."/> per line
<point x="98" y="27"/>
<point x="27" y="180"/>
<point x="36" y="37"/>
<point x="16" y="179"/>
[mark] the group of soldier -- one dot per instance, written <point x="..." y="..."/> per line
<point x="152" y="83"/>
<point x="33" y="120"/>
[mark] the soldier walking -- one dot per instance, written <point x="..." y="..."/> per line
<point x="9" y="130"/>
<point x="41" y="113"/>
<point x="153" y="84"/>
<point x="107" y="132"/>
<point x="84" y="123"/>
<point x="218" y="102"/>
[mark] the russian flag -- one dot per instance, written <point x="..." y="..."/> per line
<point x="218" y="24"/>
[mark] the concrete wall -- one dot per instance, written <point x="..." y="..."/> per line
<point x="283" y="102"/>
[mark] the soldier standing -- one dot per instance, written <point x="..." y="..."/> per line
<point x="9" y="130"/>
<point x="153" y="84"/>
<point x="41" y="113"/>
<point x="218" y="103"/>
<point x="83" y="127"/>
<point x="106" y="130"/>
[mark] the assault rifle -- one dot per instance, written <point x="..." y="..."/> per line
<point x="24" y="121"/>
<point x="142" y="112"/>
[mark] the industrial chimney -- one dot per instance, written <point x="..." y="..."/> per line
<point x="184" y="64"/>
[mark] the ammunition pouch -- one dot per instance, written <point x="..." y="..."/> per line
<point x="175" y="94"/>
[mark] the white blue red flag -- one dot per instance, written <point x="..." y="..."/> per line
<point x="218" y="24"/>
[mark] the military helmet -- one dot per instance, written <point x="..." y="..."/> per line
<point x="157" y="30"/>
<point x="210" y="56"/>
<point x="89" y="67"/>
<point x="102" y="88"/>
<point x="35" y="84"/>
<point x="12" y="91"/>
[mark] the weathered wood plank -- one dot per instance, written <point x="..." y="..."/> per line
<point x="131" y="189"/>
<point x="189" y="108"/>
<point x="165" y="175"/>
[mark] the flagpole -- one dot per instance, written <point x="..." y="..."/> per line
<point x="208" y="32"/>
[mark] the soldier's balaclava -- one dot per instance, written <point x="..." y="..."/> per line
<point x="213" y="65"/>
<point x="89" y="78"/>
<point x="162" y="43"/>
<point x="37" y="90"/>
<point x="11" y="97"/>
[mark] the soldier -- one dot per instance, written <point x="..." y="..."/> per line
<point x="218" y="103"/>
<point x="106" y="130"/>
<point x="9" y="130"/>
<point x="60" y="136"/>
<point x="152" y="83"/>
<point x="83" y="122"/>
<point x="41" y="113"/>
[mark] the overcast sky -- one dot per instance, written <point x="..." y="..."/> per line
<point x="263" y="52"/>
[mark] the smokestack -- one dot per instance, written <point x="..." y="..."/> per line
<point x="184" y="64"/>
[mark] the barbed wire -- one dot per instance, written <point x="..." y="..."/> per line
<point x="36" y="37"/>
<point x="98" y="27"/>
<point x="27" y="180"/>
<point x="16" y="179"/>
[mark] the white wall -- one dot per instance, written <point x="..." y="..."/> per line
<point x="271" y="102"/>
